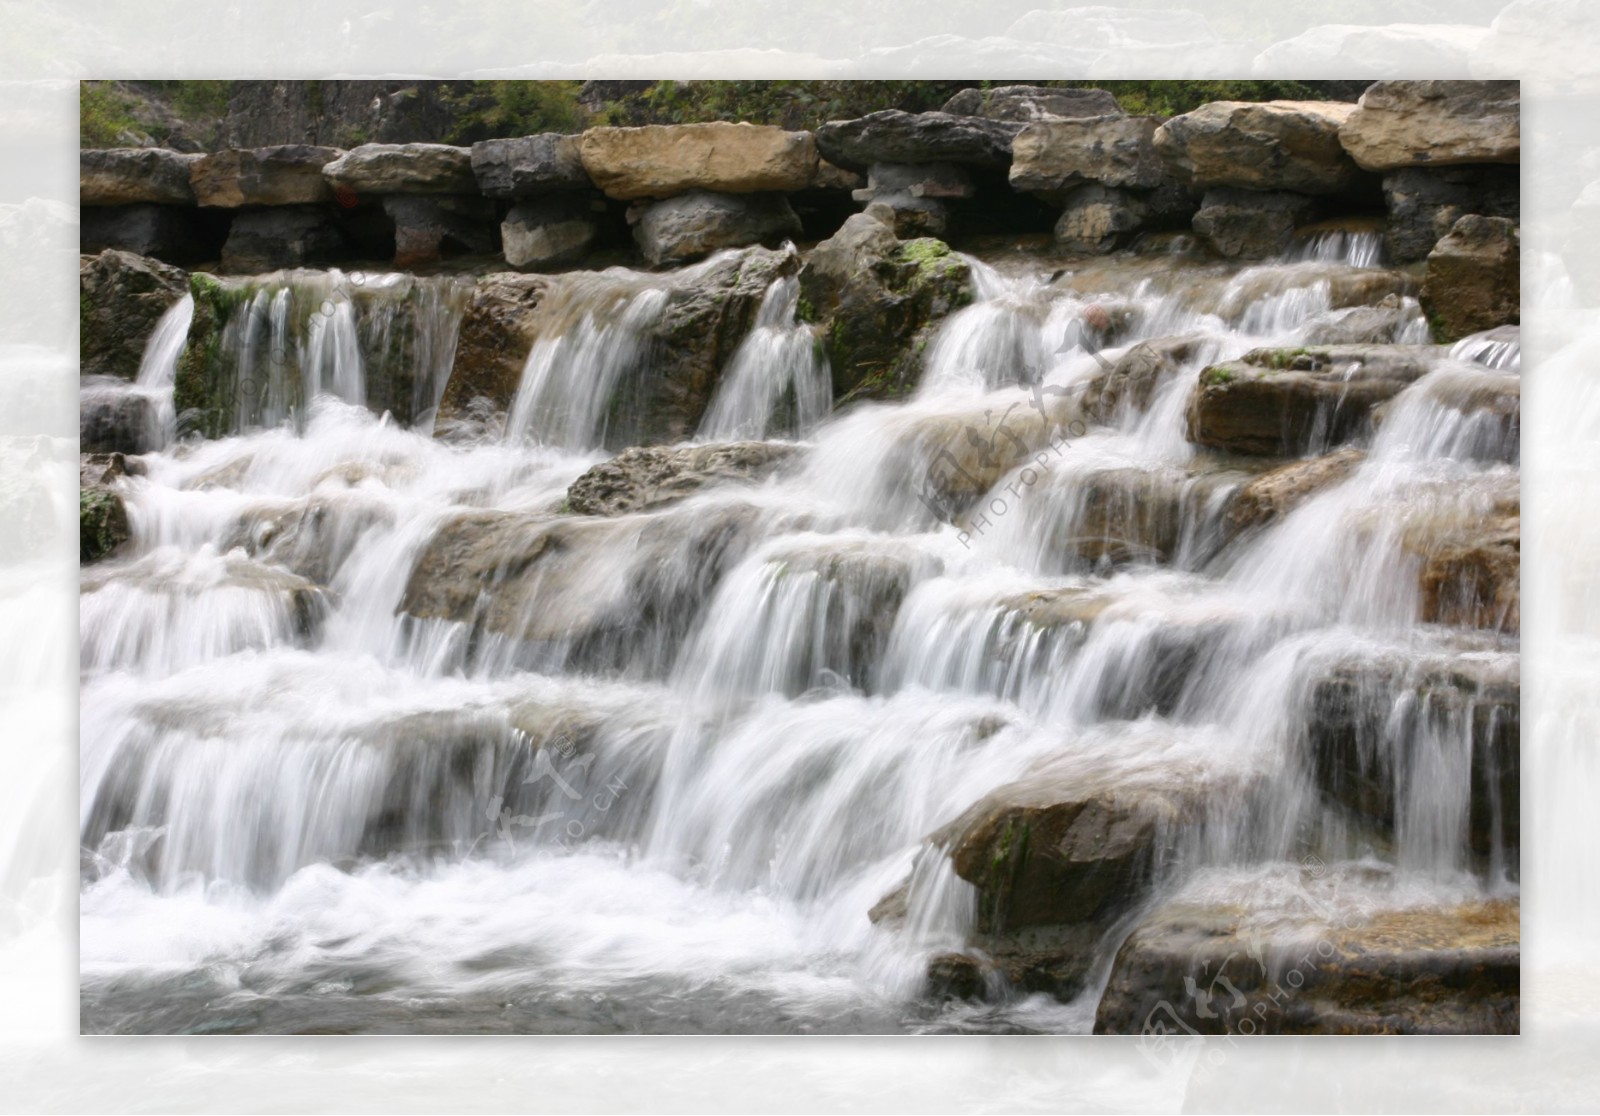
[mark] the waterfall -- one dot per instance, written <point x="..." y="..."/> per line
<point x="778" y="381"/>
<point x="375" y="729"/>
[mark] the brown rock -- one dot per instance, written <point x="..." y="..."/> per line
<point x="1272" y="145"/>
<point x="1474" y="278"/>
<point x="497" y="331"/>
<point x="1055" y="156"/>
<point x="660" y="161"/>
<point x="1277" y="492"/>
<point x="1435" y="123"/>
<point x="290" y="174"/>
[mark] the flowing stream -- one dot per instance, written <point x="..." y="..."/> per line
<point x="660" y="787"/>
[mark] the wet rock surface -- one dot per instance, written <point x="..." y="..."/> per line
<point x="1205" y="970"/>
<point x="1281" y="402"/>
<point x="644" y="478"/>
<point x="1474" y="278"/>
<point x="102" y="516"/>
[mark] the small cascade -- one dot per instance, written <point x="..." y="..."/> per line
<point x="778" y="383"/>
<point x="278" y="342"/>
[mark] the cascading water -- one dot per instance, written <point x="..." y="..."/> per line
<point x="651" y="772"/>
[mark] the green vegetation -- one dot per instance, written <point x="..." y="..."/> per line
<point x="105" y="116"/>
<point x="1172" y="98"/>
<point x="102" y="523"/>
<point x="486" y="109"/>
<point x="1218" y="375"/>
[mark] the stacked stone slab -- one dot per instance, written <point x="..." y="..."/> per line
<point x="1105" y="174"/>
<point x="138" y="199"/>
<point x="700" y="187"/>
<point x="554" y="215"/>
<point x="1446" y="149"/>
<point x="427" y="189"/>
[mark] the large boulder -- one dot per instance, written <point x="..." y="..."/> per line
<point x="1435" y="123"/>
<point x="529" y="165"/>
<point x="871" y="296"/>
<point x="1029" y="103"/>
<point x="121" y="297"/>
<point x="1192" y="968"/>
<point x="282" y="236"/>
<point x="660" y="161"/>
<point x="548" y="231"/>
<point x="647" y="477"/>
<point x="1271" y="145"/>
<point x="692" y="225"/>
<point x="497" y="330"/>
<point x="428" y="228"/>
<point x="1251" y="224"/>
<point x="135" y="176"/>
<point x="1373" y="723"/>
<point x="1474" y="278"/>
<point x="893" y="136"/>
<point x="1050" y="158"/>
<point x="170" y="233"/>
<point x="289" y="174"/>
<point x="403" y="168"/>
<point x="1424" y="203"/>
<point x="1291" y="402"/>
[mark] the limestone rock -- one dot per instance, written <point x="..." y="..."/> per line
<point x="134" y="176"/>
<point x="1472" y="576"/>
<point x="692" y="225"/>
<point x="1474" y="279"/>
<point x="893" y="136"/>
<point x="1272" y="145"/>
<point x="1251" y="224"/>
<point x="289" y="174"/>
<point x="548" y="231"/>
<point x="1098" y="219"/>
<point x="1056" y="156"/>
<point x="427" y="228"/>
<point x="1424" y="203"/>
<point x="498" y="328"/>
<point x="1029" y="103"/>
<point x="529" y="165"/>
<point x="1435" y="123"/>
<point x="1208" y="970"/>
<point x="279" y="237"/>
<point x="121" y="297"/>
<point x="661" y="160"/>
<point x="643" y="478"/>
<point x="1290" y="402"/>
<point x="403" y="168"/>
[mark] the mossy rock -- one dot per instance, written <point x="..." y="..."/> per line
<point x="102" y="524"/>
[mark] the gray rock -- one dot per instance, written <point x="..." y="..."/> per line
<point x="115" y="417"/>
<point x="286" y="175"/>
<point x="1029" y="103"/>
<point x="1274" y="145"/>
<point x="425" y="227"/>
<point x="648" y="477"/>
<point x="170" y="233"/>
<point x="548" y="231"/>
<point x="1436" y="123"/>
<point x="102" y="517"/>
<point x="919" y="180"/>
<point x="121" y="297"/>
<point x="1424" y="203"/>
<point x="892" y="136"/>
<point x="134" y="176"/>
<point x="910" y="216"/>
<point x="1098" y="219"/>
<point x="529" y="165"/>
<point x="1474" y="278"/>
<point x="1057" y="156"/>
<point x="697" y="223"/>
<point x="403" y="168"/>
<point x="282" y="236"/>
<point x="1250" y="223"/>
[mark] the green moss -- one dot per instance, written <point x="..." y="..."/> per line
<point x="1216" y="376"/>
<point x="924" y="249"/>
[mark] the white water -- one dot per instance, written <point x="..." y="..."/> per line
<point x="760" y="701"/>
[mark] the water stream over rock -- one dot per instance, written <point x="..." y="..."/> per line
<point x="379" y="734"/>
